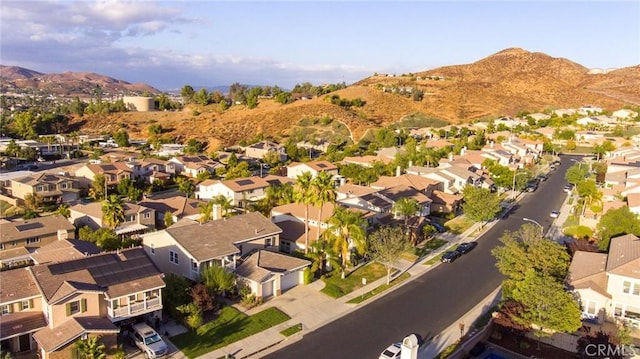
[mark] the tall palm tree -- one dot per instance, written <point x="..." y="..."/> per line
<point x="322" y="254"/>
<point x="346" y="231"/>
<point x="323" y="191"/>
<point x="113" y="211"/>
<point x="406" y="208"/>
<point x="223" y="202"/>
<point x="302" y="195"/>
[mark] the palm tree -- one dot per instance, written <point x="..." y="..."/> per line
<point x="347" y="231"/>
<point x="406" y="208"/>
<point x="113" y="211"/>
<point x="206" y="210"/>
<point x="302" y="195"/>
<point x="321" y="253"/>
<point x="223" y="202"/>
<point x="90" y="349"/>
<point x="323" y="191"/>
<point x="63" y="210"/>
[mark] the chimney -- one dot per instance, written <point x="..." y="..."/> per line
<point x="463" y="151"/>
<point x="398" y="171"/>
<point x="62" y="234"/>
<point x="410" y="163"/>
<point x="216" y="212"/>
<point x="450" y="156"/>
<point x="491" y="144"/>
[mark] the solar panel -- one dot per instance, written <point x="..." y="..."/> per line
<point x="244" y="182"/>
<point x="29" y="226"/>
<point x="321" y="165"/>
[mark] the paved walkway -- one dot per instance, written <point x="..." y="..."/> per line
<point x="306" y="305"/>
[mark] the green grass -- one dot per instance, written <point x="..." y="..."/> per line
<point x="459" y="224"/>
<point x="292" y="330"/>
<point x="414" y="253"/>
<point x="337" y="287"/>
<point x="578" y="231"/>
<point x="437" y="258"/>
<point x="404" y="276"/>
<point x="230" y="326"/>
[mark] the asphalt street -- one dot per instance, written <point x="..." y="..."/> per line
<point x="429" y="304"/>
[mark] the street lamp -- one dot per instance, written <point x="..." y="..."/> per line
<point x="536" y="223"/>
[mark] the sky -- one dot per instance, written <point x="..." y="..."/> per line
<point x="169" y="44"/>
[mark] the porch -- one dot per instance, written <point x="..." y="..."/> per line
<point x="134" y="305"/>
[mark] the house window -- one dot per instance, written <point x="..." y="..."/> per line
<point x="26" y="304"/>
<point x="194" y="266"/>
<point x="146" y="215"/>
<point x="39" y="189"/>
<point x="63" y="186"/>
<point x="6" y="309"/>
<point x="626" y="287"/>
<point x="130" y="218"/>
<point x="632" y="288"/>
<point x="268" y="242"/>
<point x="78" y="306"/>
<point x="173" y="257"/>
<point x="33" y="240"/>
<point x="153" y="248"/>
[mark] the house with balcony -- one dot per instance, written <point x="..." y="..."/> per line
<point x="238" y="191"/>
<point x="188" y="247"/>
<point x="259" y="150"/>
<point x="191" y="166"/>
<point x="56" y="304"/>
<point x="607" y="286"/>
<point x="18" y="239"/>
<point x="137" y="219"/>
<point x="52" y="188"/>
<point x="314" y="167"/>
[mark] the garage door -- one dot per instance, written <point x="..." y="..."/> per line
<point x="267" y="289"/>
<point x="290" y="280"/>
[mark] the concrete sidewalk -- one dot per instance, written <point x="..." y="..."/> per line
<point x="308" y="306"/>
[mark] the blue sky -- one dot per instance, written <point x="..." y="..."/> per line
<point x="168" y="44"/>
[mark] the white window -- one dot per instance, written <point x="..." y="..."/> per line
<point x="33" y="240"/>
<point x="173" y="257"/>
<point x="39" y="189"/>
<point x="130" y="218"/>
<point x="194" y="266"/>
<point x="5" y="309"/>
<point x="632" y="288"/>
<point x="25" y="304"/>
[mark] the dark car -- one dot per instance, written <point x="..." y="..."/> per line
<point x="450" y="256"/>
<point x="438" y="227"/>
<point x="542" y="178"/>
<point x="466" y="247"/>
<point x="531" y="186"/>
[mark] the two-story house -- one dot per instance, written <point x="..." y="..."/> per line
<point x="18" y="239"/>
<point x="52" y="188"/>
<point x="314" y="167"/>
<point x="237" y="191"/>
<point x="291" y="219"/>
<point x="112" y="172"/>
<point x="608" y="285"/>
<point x="188" y="247"/>
<point x="51" y="306"/>
<point x="137" y="219"/>
<point x="261" y="149"/>
<point x="191" y="166"/>
<point x="179" y="207"/>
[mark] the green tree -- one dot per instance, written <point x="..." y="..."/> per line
<point x="576" y="173"/>
<point x="218" y="279"/>
<point x="407" y="208"/>
<point x="322" y="191"/>
<point x="63" y="210"/>
<point x="113" y="211"/>
<point x="25" y="125"/>
<point x="617" y="222"/>
<point x="346" y="231"/>
<point x="121" y="138"/>
<point x="386" y="245"/>
<point x="224" y="203"/>
<point x="33" y="201"/>
<point x="302" y="195"/>
<point x="239" y="171"/>
<point x="168" y="219"/>
<point x="480" y="204"/>
<point x="98" y="186"/>
<point x="176" y="293"/>
<point x="547" y="305"/>
<point x="186" y="186"/>
<point x="206" y="210"/>
<point x="201" y="97"/>
<point x="187" y="92"/>
<point x="90" y="348"/>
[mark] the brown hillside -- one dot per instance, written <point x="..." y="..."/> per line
<point x="505" y="83"/>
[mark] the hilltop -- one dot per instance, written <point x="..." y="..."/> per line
<point x="505" y="83"/>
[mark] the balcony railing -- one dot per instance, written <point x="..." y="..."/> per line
<point x="137" y="308"/>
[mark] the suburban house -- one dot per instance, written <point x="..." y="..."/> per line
<point x="422" y="184"/>
<point x="53" y="188"/>
<point x="112" y="172"/>
<point x="367" y="161"/>
<point x="49" y="307"/>
<point x="382" y="201"/>
<point x="20" y="238"/>
<point x="314" y="167"/>
<point x="137" y="219"/>
<point x="261" y="149"/>
<point x="291" y="219"/>
<point x="237" y="191"/>
<point x="608" y="285"/>
<point x="625" y="114"/>
<point x="191" y="166"/>
<point x="64" y="250"/>
<point x="269" y="273"/>
<point x="187" y="248"/>
<point x="179" y="206"/>
<point x="445" y="202"/>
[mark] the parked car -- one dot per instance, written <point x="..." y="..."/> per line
<point x="568" y="188"/>
<point x="554" y="214"/>
<point x="147" y="340"/>
<point x="450" y="256"/>
<point x="438" y="227"/>
<point x="466" y="247"/>
<point x="392" y="352"/>
<point x="531" y="186"/>
<point x="542" y="178"/>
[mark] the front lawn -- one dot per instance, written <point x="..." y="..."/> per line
<point x="230" y="326"/>
<point x="337" y="287"/>
<point x="421" y="250"/>
<point x="437" y="258"/>
<point x="459" y="224"/>
<point x="404" y="276"/>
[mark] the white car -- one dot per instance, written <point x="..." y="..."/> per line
<point x="392" y="352"/>
<point x="147" y="340"/>
<point x="554" y="214"/>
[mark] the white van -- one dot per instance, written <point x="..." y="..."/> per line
<point x="149" y="341"/>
